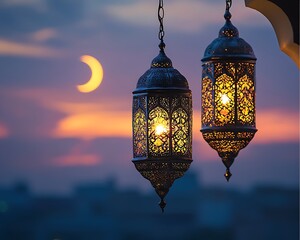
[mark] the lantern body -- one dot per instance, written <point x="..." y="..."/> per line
<point x="228" y="94"/>
<point x="162" y="125"/>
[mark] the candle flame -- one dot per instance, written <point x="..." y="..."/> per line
<point x="160" y="129"/>
<point x="225" y="99"/>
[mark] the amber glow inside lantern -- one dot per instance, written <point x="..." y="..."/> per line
<point x="228" y="94"/>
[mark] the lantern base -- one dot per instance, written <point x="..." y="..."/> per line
<point x="162" y="174"/>
<point x="228" y="142"/>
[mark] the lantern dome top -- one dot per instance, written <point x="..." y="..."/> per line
<point x="228" y="45"/>
<point x="161" y="60"/>
<point x="161" y="76"/>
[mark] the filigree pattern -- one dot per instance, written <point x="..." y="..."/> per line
<point x="230" y="68"/>
<point x="207" y="101"/>
<point x="207" y="69"/>
<point x="174" y="103"/>
<point x="162" y="174"/>
<point x="185" y="103"/>
<point x="162" y="65"/>
<point x="251" y="69"/>
<point x="228" y="141"/>
<point x="139" y="134"/>
<point x="224" y="100"/>
<point x="218" y="69"/>
<point x="180" y="132"/>
<point x="152" y="102"/>
<point x="218" y="135"/>
<point x="142" y="103"/>
<point x="135" y="104"/>
<point x="163" y="165"/>
<point x="245" y="101"/>
<point x="247" y="135"/>
<point x="226" y="146"/>
<point x="190" y="127"/>
<point x="158" y="132"/>
<point x="165" y="102"/>
<point x="243" y="68"/>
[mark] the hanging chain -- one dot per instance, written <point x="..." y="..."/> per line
<point x="228" y="4"/>
<point x="161" y="14"/>
<point x="227" y="14"/>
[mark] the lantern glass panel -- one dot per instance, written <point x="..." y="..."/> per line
<point x="224" y="100"/>
<point x="158" y="132"/>
<point x="246" y="100"/>
<point x="139" y="127"/>
<point x="139" y="133"/>
<point x="207" y="101"/>
<point x="180" y="131"/>
<point x="228" y="107"/>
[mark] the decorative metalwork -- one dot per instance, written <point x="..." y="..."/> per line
<point x="180" y="130"/>
<point x="245" y="100"/>
<point x="162" y="122"/>
<point x="158" y="132"/>
<point x="228" y="93"/>
<point x="224" y="100"/>
<point x="140" y="133"/>
<point x="207" y="101"/>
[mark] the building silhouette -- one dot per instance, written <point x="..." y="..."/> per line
<point x="102" y="211"/>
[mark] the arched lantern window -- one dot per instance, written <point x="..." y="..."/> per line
<point x="228" y="93"/>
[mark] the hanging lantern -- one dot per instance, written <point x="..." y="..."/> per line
<point x="162" y="122"/>
<point x="228" y="93"/>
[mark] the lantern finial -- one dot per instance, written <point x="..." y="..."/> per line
<point x="162" y="204"/>
<point x="227" y="174"/>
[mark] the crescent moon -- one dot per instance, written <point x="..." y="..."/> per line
<point x="96" y="74"/>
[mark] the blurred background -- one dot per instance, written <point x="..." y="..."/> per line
<point x="66" y="170"/>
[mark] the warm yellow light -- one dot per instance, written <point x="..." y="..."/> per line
<point x="96" y="74"/>
<point x="160" y="129"/>
<point x="225" y="99"/>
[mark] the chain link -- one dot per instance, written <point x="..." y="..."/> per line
<point x="161" y="15"/>
<point x="228" y="4"/>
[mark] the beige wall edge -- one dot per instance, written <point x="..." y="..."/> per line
<point x="281" y="25"/>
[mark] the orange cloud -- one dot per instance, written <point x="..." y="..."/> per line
<point x="77" y="160"/>
<point x="112" y="118"/>
<point x="82" y="117"/>
<point x="91" y="120"/>
<point x="12" y="48"/>
<point x="78" y="156"/>
<point x="277" y="126"/>
<point x="274" y="125"/>
<point x="94" y="124"/>
<point x="44" y="35"/>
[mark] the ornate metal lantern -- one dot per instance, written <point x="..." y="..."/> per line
<point x="228" y="93"/>
<point x="162" y="122"/>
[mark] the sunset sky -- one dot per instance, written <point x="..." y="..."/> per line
<point x="53" y="136"/>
